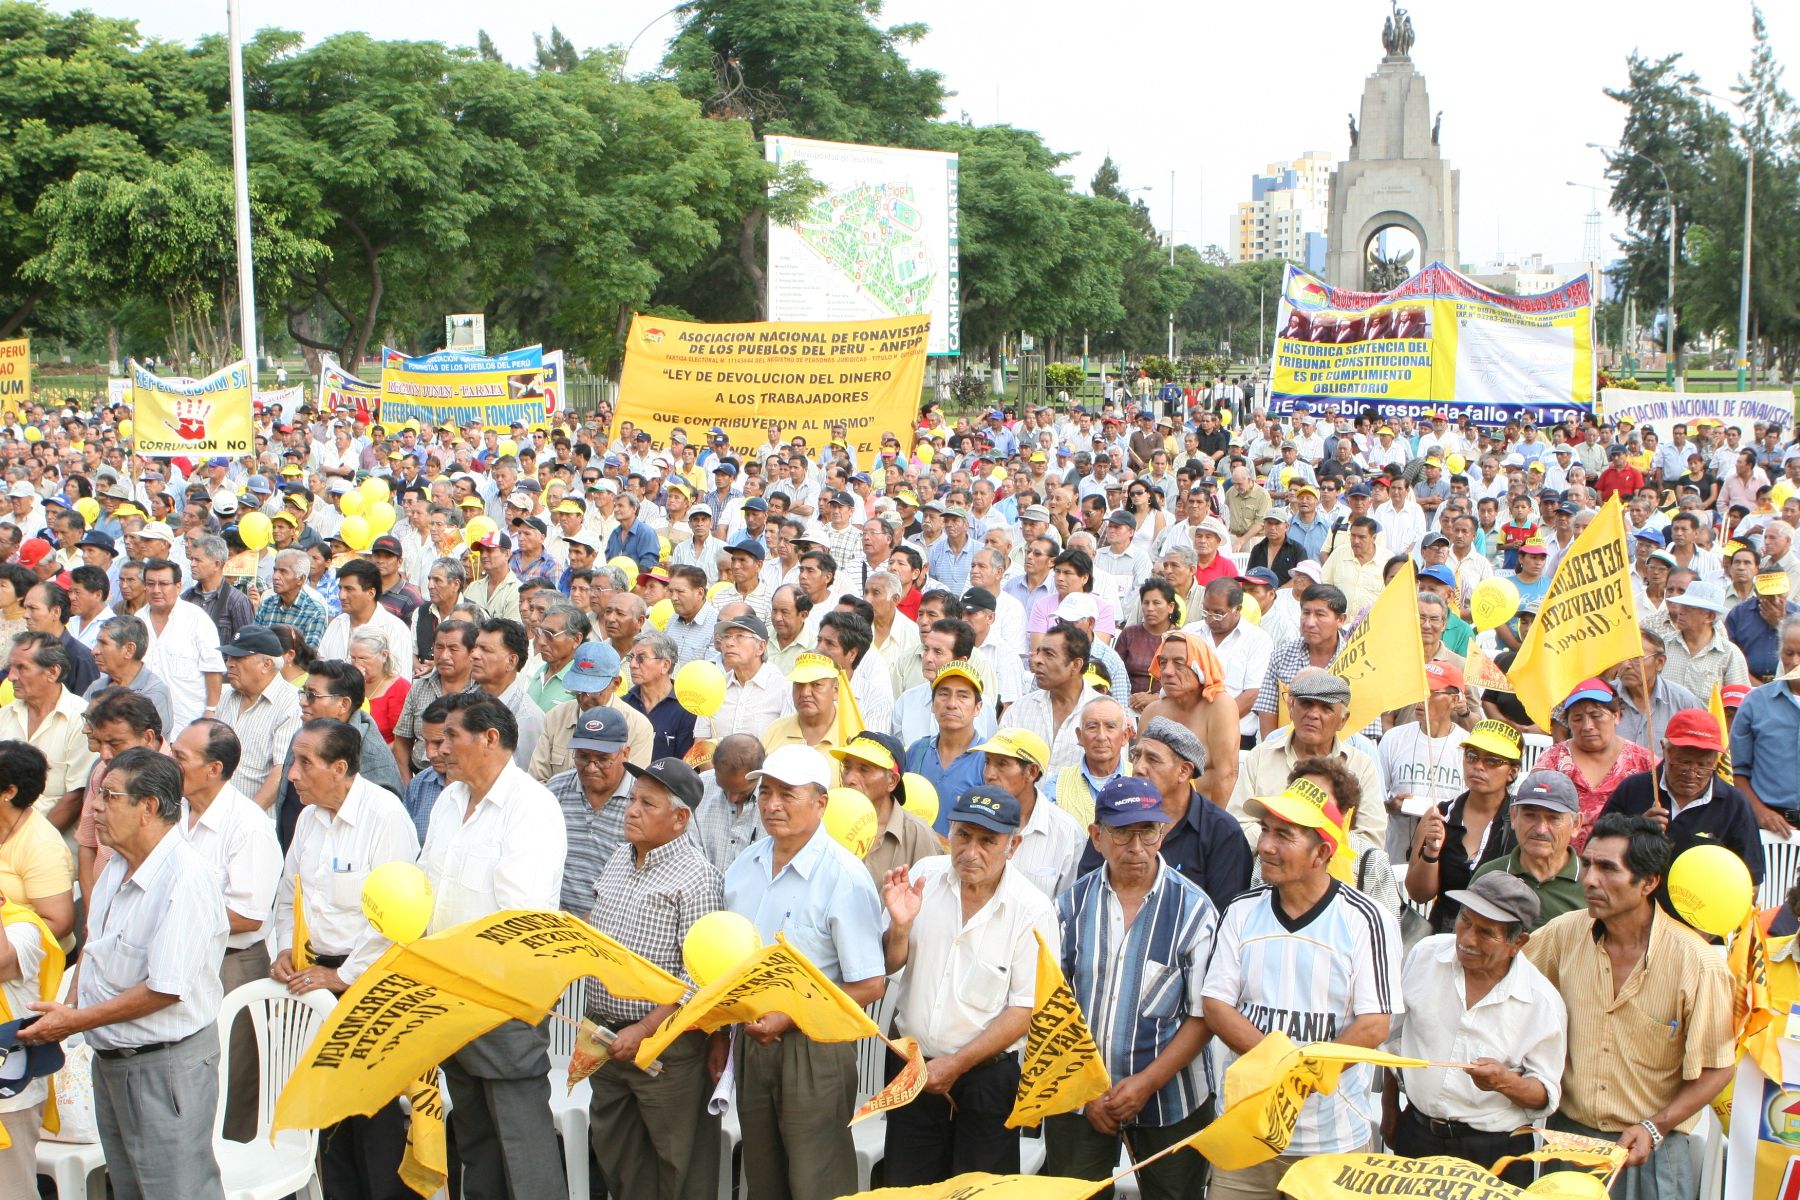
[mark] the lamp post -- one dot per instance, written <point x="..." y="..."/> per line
<point x="1674" y="233"/>
<point x="240" y="181"/>
<point x="1171" y="263"/>
<point x="1743" y="346"/>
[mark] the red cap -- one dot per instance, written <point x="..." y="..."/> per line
<point x="1442" y="675"/>
<point x="1732" y="694"/>
<point x="34" y="551"/>
<point x="1696" y="728"/>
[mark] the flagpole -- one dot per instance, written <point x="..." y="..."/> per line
<point x="240" y="170"/>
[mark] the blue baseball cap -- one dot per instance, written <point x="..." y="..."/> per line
<point x="1260" y="575"/>
<point x="726" y="467"/>
<point x="594" y="668"/>
<point x="989" y="807"/>
<point x="602" y="729"/>
<point x="749" y="545"/>
<point x="21" y="1064"/>
<point x="1130" y="800"/>
<point x="756" y="504"/>
<point x="1438" y="572"/>
<point x="1653" y="536"/>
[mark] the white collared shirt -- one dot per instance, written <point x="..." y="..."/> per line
<point x="1050" y="846"/>
<point x="1245" y="656"/>
<point x="237" y="839"/>
<point x="507" y="854"/>
<point x="63" y="739"/>
<point x="1521" y="1022"/>
<point x="183" y="655"/>
<point x="338" y="635"/>
<point x="330" y="857"/>
<point x="165" y="927"/>
<point x="749" y="707"/>
<point x="963" y="975"/>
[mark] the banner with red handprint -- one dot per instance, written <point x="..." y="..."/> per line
<point x="191" y="417"/>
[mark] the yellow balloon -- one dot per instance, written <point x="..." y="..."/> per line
<point x="125" y="427"/>
<point x="1251" y="609"/>
<point x="89" y="508"/>
<point x="925" y="453"/>
<point x="1493" y="603"/>
<point x="1778" y="495"/>
<point x="700" y="687"/>
<point x="921" y="797"/>
<point x="663" y="548"/>
<point x="1225" y="417"/>
<point x="1287" y="475"/>
<point x="718" y="589"/>
<point x="353" y="504"/>
<point x="1569" y="1185"/>
<point x="627" y="564"/>
<point x="850" y="819"/>
<point x="396" y="897"/>
<point x="1457" y="464"/>
<point x="356" y="533"/>
<point x="661" y="612"/>
<point x="716" y="943"/>
<point x="381" y="517"/>
<point x="255" y="529"/>
<point x="1711" y="888"/>
<point x="375" y="489"/>
<point x="6" y="692"/>
<point x="477" y="529"/>
<point x="508" y="448"/>
<point x="33" y="434"/>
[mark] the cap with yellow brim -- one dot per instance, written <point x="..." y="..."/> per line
<point x="812" y="667"/>
<point x="864" y="747"/>
<point x="1021" y="744"/>
<point x="961" y="668"/>
<point x="1302" y="803"/>
<point x="1496" y="737"/>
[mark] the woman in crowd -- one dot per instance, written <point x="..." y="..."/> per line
<point x="15" y="581"/>
<point x="35" y="869"/>
<point x="1136" y="644"/>
<point x="1454" y="839"/>
<point x="296" y="655"/>
<point x="384" y="692"/>
<point x="1144" y="501"/>
<point x="1595" y="757"/>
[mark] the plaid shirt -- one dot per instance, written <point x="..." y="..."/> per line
<point x="1288" y="660"/>
<point x="846" y="550"/>
<point x="421" y="795"/>
<point x="693" y="639"/>
<point x="307" y="615"/>
<point x="649" y="910"/>
<point x="541" y="567"/>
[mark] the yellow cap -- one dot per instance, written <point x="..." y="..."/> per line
<point x="1021" y="744"/>
<point x="866" y="748"/>
<point x="285" y="515"/>
<point x="961" y="668"/>
<point x="569" y="506"/>
<point x="812" y="667"/>
<point x="1496" y="737"/>
<point x="468" y="502"/>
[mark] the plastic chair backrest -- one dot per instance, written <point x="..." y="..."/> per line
<point x="284" y="1025"/>
<point x="1535" y="745"/>
<point x="562" y="1034"/>
<point x="1781" y="867"/>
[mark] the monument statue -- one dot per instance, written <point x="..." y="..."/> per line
<point x="1353" y="129"/>
<point x="1384" y="274"/>
<point x="1397" y="32"/>
<point x="1436" y="127"/>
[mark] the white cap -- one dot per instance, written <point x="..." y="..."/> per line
<point x="524" y="500"/>
<point x="1078" y="606"/>
<point x="157" y="531"/>
<point x="22" y="491"/>
<point x="1215" y="527"/>
<point x="225" y="504"/>
<point x="795" y="766"/>
<point x="1310" y="569"/>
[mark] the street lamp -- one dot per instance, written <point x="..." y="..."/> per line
<point x="1674" y="229"/>
<point x="1743" y="349"/>
<point x="1171" y="262"/>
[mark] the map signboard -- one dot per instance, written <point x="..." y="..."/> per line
<point x="880" y="239"/>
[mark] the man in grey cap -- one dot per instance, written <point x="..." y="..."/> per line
<point x="593" y="796"/>
<point x="1471" y="997"/>
<point x="1318" y="704"/>
<point x="1544" y="814"/>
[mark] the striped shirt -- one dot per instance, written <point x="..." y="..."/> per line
<point x="649" y="909"/>
<point x="593" y="836"/>
<point x="1137" y="983"/>
<point x="724" y="829"/>
<point x="1632" y="1045"/>
<point x="265" y="727"/>
<point x="425" y="689"/>
<point x="1311" y="977"/>
<point x="693" y="639"/>
<point x="421" y="796"/>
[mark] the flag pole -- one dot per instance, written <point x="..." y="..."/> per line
<point x="240" y="171"/>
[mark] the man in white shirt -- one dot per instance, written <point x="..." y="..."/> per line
<point x="1243" y="650"/>
<point x="262" y="707"/>
<point x="1402" y="521"/>
<point x="184" y="646"/>
<point x="497" y="841"/>
<point x="755" y="692"/>
<point x="359" y="591"/>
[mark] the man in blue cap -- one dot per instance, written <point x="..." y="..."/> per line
<point x="1141" y="992"/>
<point x="592" y="678"/>
<point x="968" y="928"/>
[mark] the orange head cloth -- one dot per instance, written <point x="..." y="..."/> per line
<point x="1201" y="658"/>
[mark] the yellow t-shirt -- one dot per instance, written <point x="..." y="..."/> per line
<point x="34" y="862"/>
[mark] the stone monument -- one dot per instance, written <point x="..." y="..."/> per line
<point x="1395" y="176"/>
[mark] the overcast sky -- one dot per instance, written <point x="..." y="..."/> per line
<point x="1210" y="91"/>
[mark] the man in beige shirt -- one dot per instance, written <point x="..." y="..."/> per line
<point x="872" y="764"/>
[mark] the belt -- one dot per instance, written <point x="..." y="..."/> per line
<point x="1448" y="1129"/>
<point x="331" y="961"/>
<point x="134" y="1051"/>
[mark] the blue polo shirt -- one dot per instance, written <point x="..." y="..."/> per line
<point x="1759" y="640"/>
<point x="951" y="781"/>
<point x="1763" y="738"/>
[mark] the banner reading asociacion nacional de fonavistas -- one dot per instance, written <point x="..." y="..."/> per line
<point x="798" y="377"/>
<point x="1438" y="341"/>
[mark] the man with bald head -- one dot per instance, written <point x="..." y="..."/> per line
<point x="623" y="619"/>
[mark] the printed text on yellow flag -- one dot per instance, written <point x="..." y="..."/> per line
<point x="777" y="978"/>
<point x="1348" y="1176"/>
<point x="1587" y="622"/>
<point x="1383" y="660"/>
<point x="425" y="1165"/>
<point x="1062" y="1069"/>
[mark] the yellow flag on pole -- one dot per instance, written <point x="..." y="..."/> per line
<point x="302" y="954"/>
<point x="1383" y="659"/>
<point x="902" y="1090"/>
<point x="1349" y="1176"/>
<point x="778" y="978"/>
<point x="425" y="1164"/>
<point x="1716" y="706"/>
<point x="1062" y="1069"/>
<point x="1587" y="622"/>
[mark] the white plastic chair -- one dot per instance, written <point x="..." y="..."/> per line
<point x="1781" y="866"/>
<point x="870" y="1137"/>
<point x="284" y="1025"/>
<point x="569" y="1106"/>
<point x="1535" y="745"/>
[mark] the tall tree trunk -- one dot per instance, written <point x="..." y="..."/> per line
<point x="11" y="325"/>
<point x="750" y="258"/>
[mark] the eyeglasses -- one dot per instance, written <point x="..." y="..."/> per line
<point x="1486" y="760"/>
<point x="1144" y="835"/>
<point x="106" y="795"/>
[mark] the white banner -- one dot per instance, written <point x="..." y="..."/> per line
<point x="1662" y="411"/>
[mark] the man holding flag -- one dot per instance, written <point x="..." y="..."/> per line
<point x="963" y="925"/>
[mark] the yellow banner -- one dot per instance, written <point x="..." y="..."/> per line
<point x="796" y="377"/>
<point x="1587" y="622"/>
<point x="902" y="1090"/>
<point x="15" y="371"/>
<point x="387" y="1030"/>
<point x="977" y="1185"/>
<point x="425" y="1165"/>
<point x="777" y="979"/>
<point x="1346" y="1176"/>
<point x="1062" y="1069"/>
<point x="1383" y="659"/>
<point x="182" y="417"/>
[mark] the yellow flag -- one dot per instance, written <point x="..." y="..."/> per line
<point x="1062" y="1069"/>
<point x="978" y="1185"/>
<point x="902" y="1090"/>
<point x="1587" y="622"/>
<point x="425" y="1165"/>
<point x="386" y="1031"/>
<point x="777" y="978"/>
<point x="1602" y="1157"/>
<point x="1754" y="1016"/>
<point x="521" y="961"/>
<point x="1383" y="660"/>
<point x="1348" y="1176"/>
<point x="302" y="954"/>
<point x="50" y="973"/>
<point x="1480" y="672"/>
<point x="1716" y="706"/>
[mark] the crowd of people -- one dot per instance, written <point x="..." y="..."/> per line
<point x="1102" y="636"/>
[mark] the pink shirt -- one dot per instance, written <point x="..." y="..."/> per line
<point x="1632" y="759"/>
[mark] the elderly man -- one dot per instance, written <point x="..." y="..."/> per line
<point x="348" y="827"/>
<point x="1200" y="840"/>
<point x="1244" y="650"/>
<point x="956" y="919"/>
<point x="1635" y="677"/>
<point x="236" y="838"/>
<point x="1050" y="839"/>
<point x="652" y="661"/>
<point x="262" y="707"/>
<point x="1194" y="696"/>
<point x="1103" y="733"/>
<point x="496" y="841"/>
<point x="727" y="820"/>
<point x="1700" y="655"/>
<point x="593" y="681"/>
<point x="1303" y="952"/>
<point x="1143" y="989"/>
<point x="593" y="797"/>
<point x="1320" y="702"/>
<point x="653" y="1133"/>
<point x="183" y="649"/>
<point x="228" y="608"/>
<point x="289" y="603"/>
<point x="452" y="660"/>
<point x="501" y="650"/>
<point x="1544" y="813"/>
<point x="148" y="993"/>
<point x="48" y="715"/>
<point x="1629" y="972"/>
<point x="796" y="1095"/>
<point x="755" y="692"/>
<point x="1474" y="999"/>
